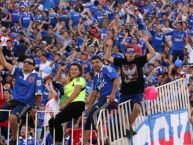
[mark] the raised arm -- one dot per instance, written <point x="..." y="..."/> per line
<point x="59" y="74"/>
<point x="3" y="61"/>
<point x="108" y="48"/>
<point x="152" y="52"/>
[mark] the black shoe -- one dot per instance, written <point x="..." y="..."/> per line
<point x="12" y="142"/>
<point x="130" y="133"/>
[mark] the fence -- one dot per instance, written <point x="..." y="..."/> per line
<point x="111" y="125"/>
<point x="173" y="96"/>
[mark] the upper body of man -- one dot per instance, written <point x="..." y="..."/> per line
<point x="131" y="67"/>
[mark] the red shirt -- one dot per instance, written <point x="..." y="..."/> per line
<point x="5" y="123"/>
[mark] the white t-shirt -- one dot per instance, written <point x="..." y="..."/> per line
<point x="53" y="106"/>
<point x="190" y="53"/>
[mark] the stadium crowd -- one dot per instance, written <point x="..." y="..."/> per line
<point x="52" y="53"/>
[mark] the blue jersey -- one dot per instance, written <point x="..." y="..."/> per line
<point x="141" y="43"/>
<point x="37" y="61"/>
<point x="53" y="19"/>
<point x="79" y="41"/>
<point x="103" y="33"/>
<point x="38" y="18"/>
<point x="44" y="99"/>
<point x="190" y="22"/>
<point x="15" y="16"/>
<point x="26" y="19"/>
<point x="103" y="82"/>
<point x="75" y="18"/>
<point x="100" y="54"/>
<point x="89" y="86"/>
<point x="26" y="89"/>
<point x="158" y="40"/>
<point x="99" y="16"/>
<point x="86" y="65"/>
<point x="178" y="40"/>
<point x="30" y="141"/>
<point x="40" y="119"/>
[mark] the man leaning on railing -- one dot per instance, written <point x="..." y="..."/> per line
<point x="26" y="93"/>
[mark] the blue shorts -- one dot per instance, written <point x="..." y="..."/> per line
<point x="17" y="108"/>
<point x="135" y="98"/>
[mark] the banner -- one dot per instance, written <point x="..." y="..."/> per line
<point x="170" y="128"/>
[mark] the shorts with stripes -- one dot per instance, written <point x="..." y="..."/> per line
<point x="19" y="109"/>
<point x="95" y="110"/>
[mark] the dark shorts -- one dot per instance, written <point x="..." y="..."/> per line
<point x="135" y="98"/>
<point x="95" y="110"/>
<point x="17" y="108"/>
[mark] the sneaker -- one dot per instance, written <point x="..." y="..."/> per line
<point x="12" y="142"/>
<point x="130" y="133"/>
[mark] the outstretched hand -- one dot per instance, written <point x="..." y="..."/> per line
<point x="109" y="42"/>
<point x="145" y="37"/>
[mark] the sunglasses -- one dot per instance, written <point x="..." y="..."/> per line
<point x="130" y="51"/>
<point x="28" y="62"/>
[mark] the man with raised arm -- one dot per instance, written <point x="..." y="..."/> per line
<point x="132" y="86"/>
<point x="26" y="93"/>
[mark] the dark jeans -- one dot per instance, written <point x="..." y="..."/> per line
<point x="73" y="110"/>
<point x="177" y="54"/>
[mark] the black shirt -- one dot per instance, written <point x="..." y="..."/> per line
<point x="9" y="54"/>
<point x="20" y="52"/>
<point x="131" y="74"/>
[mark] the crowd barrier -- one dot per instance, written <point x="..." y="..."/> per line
<point x="111" y="125"/>
<point x="172" y="97"/>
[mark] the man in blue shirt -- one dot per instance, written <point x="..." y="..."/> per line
<point x="178" y="42"/>
<point x="158" y="39"/>
<point x="26" y="93"/>
<point x="106" y="83"/>
<point x="26" y="18"/>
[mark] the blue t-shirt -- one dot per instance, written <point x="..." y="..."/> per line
<point x="44" y="99"/>
<point x="100" y="54"/>
<point x="178" y="40"/>
<point x="75" y="16"/>
<point x="15" y="16"/>
<point x="103" y="33"/>
<point x="53" y="19"/>
<point x="86" y="65"/>
<point x="190" y="21"/>
<point x="158" y="40"/>
<point x="25" y="90"/>
<point x="38" y="18"/>
<point x="141" y="43"/>
<point x="103" y="82"/>
<point x="26" y="19"/>
<point x="30" y="141"/>
<point x="89" y="86"/>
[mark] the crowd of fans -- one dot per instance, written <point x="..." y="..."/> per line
<point x="58" y="33"/>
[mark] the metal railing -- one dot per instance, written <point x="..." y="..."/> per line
<point x="173" y="96"/>
<point x="111" y="125"/>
